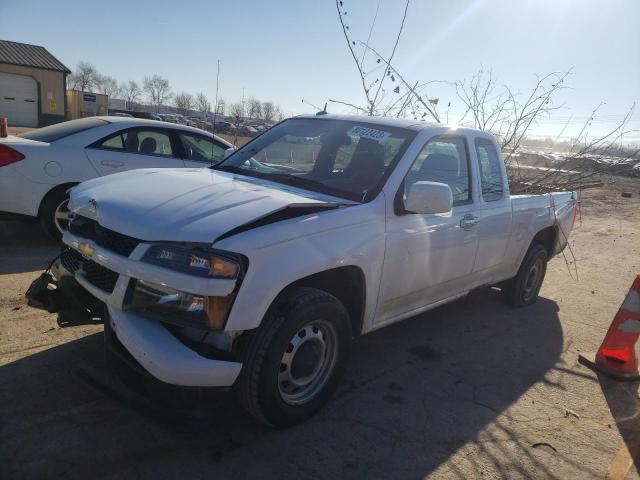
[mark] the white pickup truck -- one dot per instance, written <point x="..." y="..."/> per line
<point x="258" y="273"/>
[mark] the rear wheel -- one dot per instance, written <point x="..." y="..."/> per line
<point x="523" y="289"/>
<point x="295" y="360"/>
<point x="54" y="212"/>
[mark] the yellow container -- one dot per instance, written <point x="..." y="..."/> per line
<point x="86" y="104"/>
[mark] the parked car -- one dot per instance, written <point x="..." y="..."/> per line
<point x="247" y="131"/>
<point x="258" y="273"/>
<point x="37" y="168"/>
<point x="135" y="114"/>
<point x="224" y="127"/>
<point x="167" y="117"/>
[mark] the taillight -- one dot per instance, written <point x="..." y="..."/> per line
<point x="9" y="155"/>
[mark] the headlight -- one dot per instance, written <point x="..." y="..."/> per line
<point x="195" y="260"/>
<point x="179" y="308"/>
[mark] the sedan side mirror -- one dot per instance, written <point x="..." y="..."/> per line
<point x="429" y="197"/>
<point x="229" y="151"/>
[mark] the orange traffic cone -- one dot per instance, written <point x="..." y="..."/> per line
<point x="616" y="356"/>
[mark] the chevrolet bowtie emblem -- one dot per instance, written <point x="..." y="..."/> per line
<point x="86" y="250"/>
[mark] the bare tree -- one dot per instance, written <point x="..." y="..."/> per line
<point x="222" y="105"/>
<point x="83" y="78"/>
<point x="507" y="114"/>
<point x="202" y="103"/>
<point x="375" y="94"/>
<point x="589" y="161"/>
<point x="278" y="114"/>
<point x="157" y="89"/>
<point x="107" y="85"/>
<point x="254" y="108"/>
<point x="268" y="111"/>
<point x="184" y="102"/>
<point x="510" y="116"/>
<point x="131" y="92"/>
<point x="237" y="110"/>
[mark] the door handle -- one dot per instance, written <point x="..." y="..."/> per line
<point x="112" y="163"/>
<point x="468" y="222"/>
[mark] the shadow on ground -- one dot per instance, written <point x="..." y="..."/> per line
<point x="24" y="247"/>
<point x="414" y="394"/>
<point x="624" y="402"/>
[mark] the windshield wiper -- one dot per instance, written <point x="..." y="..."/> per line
<point x="295" y="180"/>
<point x="227" y="168"/>
<point x="308" y="183"/>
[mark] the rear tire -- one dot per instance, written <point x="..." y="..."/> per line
<point x="53" y="213"/>
<point x="294" y="362"/>
<point x="522" y="290"/>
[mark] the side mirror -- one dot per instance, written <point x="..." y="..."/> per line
<point x="229" y="151"/>
<point x="429" y="197"/>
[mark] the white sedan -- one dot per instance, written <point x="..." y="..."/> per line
<point x="38" y="168"/>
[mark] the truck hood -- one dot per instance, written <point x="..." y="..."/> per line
<point x="188" y="205"/>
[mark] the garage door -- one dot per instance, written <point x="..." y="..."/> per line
<point x="19" y="100"/>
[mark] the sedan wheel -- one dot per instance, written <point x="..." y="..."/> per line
<point x="62" y="216"/>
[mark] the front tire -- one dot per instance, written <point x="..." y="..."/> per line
<point x="54" y="214"/>
<point x="522" y="290"/>
<point x="294" y="362"/>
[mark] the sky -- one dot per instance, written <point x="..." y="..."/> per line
<point x="286" y="51"/>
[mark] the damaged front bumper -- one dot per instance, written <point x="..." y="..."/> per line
<point x="152" y="345"/>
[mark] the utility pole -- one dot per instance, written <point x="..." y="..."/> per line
<point x="244" y="113"/>
<point x="213" y="128"/>
<point x="215" y="110"/>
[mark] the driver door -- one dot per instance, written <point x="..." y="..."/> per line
<point x="134" y="148"/>
<point x="430" y="257"/>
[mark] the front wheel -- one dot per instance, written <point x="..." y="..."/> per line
<point x="54" y="213"/>
<point x="523" y="289"/>
<point x="294" y="362"/>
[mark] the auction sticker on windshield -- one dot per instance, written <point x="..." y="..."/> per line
<point x="370" y="133"/>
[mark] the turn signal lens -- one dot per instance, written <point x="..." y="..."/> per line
<point x="9" y="155"/>
<point x="217" y="267"/>
<point x="216" y="309"/>
<point x="223" y="268"/>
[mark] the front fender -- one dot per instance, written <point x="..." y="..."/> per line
<point x="282" y="253"/>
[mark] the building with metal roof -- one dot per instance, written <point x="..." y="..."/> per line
<point x="32" y="85"/>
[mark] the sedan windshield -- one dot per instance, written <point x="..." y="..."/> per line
<point x="342" y="158"/>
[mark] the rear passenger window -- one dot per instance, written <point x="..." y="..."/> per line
<point x="146" y="142"/>
<point x="113" y="143"/>
<point x="490" y="170"/>
<point x="444" y="160"/>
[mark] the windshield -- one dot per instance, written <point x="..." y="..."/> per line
<point x="60" y="130"/>
<point x="336" y="157"/>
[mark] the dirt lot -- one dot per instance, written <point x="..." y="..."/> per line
<point x="473" y="389"/>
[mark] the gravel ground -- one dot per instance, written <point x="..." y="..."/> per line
<point x="474" y="389"/>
